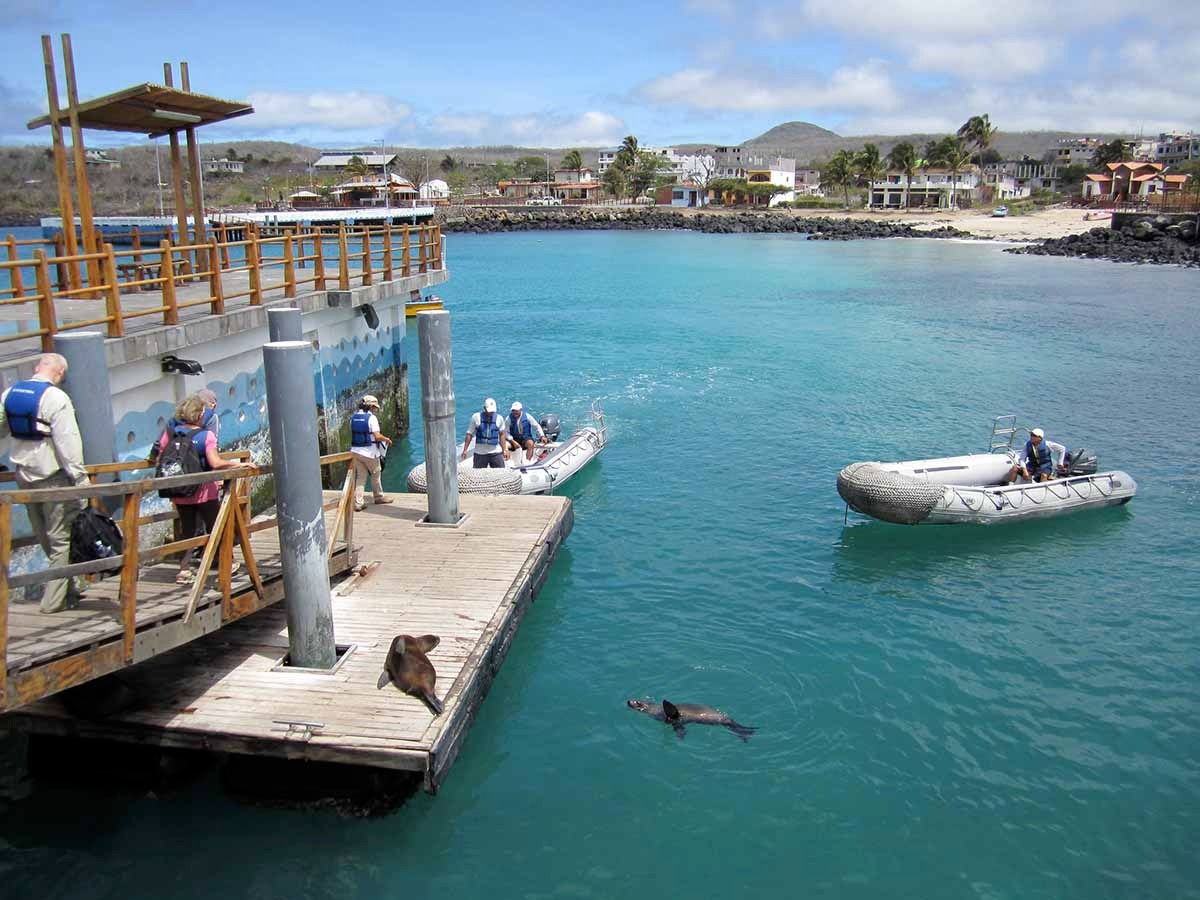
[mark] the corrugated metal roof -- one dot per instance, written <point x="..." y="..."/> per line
<point x="341" y="160"/>
<point x="148" y="109"/>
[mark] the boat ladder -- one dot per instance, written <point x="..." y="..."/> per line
<point x="1004" y="428"/>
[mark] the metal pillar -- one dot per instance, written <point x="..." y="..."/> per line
<point x="437" y="411"/>
<point x="87" y="385"/>
<point x="283" y="324"/>
<point x="295" y="458"/>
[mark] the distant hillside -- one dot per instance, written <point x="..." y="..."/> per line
<point x="806" y="142"/>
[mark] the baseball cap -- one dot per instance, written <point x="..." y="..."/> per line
<point x="370" y="400"/>
<point x="489" y="405"/>
<point x="517" y="407"/>
<point x="1037" y="432"/>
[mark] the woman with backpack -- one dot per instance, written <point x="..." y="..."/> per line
<point x="186" y="449"/>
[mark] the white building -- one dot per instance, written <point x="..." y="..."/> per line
<point x="337" y="160"/>
<point x="1073" y="152"/>
<point x="224" y="166"/>
<point x="684" y="166"/>
<point x="932" y="188"/>
<point x="1176" y="147"/>
<point x="1028" y="175"/>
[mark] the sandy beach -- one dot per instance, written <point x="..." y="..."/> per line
<point x="1047" y="223"/>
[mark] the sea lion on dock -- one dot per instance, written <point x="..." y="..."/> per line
<point x="680" y="715"/>
<point x="409" y="668"/>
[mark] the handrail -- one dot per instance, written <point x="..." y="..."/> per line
<point x="232" y="527"/>
<point x="384" y="251"/>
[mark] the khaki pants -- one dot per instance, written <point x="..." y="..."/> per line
<point x="364" y="467"/>
<point x="52" y="527"/>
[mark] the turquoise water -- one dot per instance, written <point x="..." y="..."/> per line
<point x="1001" y="713"/>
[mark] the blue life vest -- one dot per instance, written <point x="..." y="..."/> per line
<point x="21" y="407"/>
<point x="360" y="430"/>
<point x="1039" y="457"/>
<point x="199" y="441"/>
<point x="521" y="427"/>
<point x="488" y="429"/>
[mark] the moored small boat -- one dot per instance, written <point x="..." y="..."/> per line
<point x="412" y="307"/>
<point x="551" y="466"/>
<point x="971" y="489"/>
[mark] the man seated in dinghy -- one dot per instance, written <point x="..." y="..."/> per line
<point x="1041" y="459"/>
<point x="523" y="430"/>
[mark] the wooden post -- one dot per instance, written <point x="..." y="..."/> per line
<point x="135" y="236"/>
<point x="299" y="230"/>
<point x="177" y="177"/>
<point x="343" y="262"/>
<point x="423" y="234"/>
<point x="253" y="270"/>
<point x="194" y="158"/>
<point x="289" y="266"/>
<point x="406" y="255"/>
<point x="60" y="268"/>
<point x="14" y="274"/>
<point x="129" y="571"/>
<point x="5" y="551"/>
<point x="387" y="251"/>
<point x="116" y="325"/>
<point x="46" y="317"/>
<point x="223" y="231"/>
<point x="225" y="553"/>
<point x="214" y="278"/>
<point x="318" y="261"/>
<point x="166" y="271"/>
<point x="83" y="190"/>
<point x="65" y="206"/>
<point x="366" y="255"/>
<point x="441" y="262"/>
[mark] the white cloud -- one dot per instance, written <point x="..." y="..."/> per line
<point x="998" y="60"/>
<point x="900" y="19"/>
<point x="325" y="110"/>
<point x="531" y="130"/>
<point x="864" y="86"/>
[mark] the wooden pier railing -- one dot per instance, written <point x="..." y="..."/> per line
<point x="25" y="684"/>
<point x="46" y="283"/>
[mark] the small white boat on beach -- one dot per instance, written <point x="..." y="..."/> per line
<point x="971" y="489"/>
<point x="551" y="466"/>
<point x="1000" y="211"/>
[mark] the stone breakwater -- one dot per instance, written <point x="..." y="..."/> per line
<point x="1156" y="241"/>
<point x="484" y="221"/>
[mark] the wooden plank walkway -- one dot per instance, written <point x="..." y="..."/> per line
<point x="469" y="585"/>
<point x="43" y="649"/>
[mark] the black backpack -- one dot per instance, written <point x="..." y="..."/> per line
<point x="94" y="536"/>
<point x="179" y="457"/>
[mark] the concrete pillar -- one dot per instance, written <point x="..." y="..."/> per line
<point x="87" y="385"/>
<point x="283" y="324"/>
<point x="292" y="410"/>
<point x="437" y="410"/>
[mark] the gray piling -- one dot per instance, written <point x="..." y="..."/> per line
<point x="87" y="385"/>
<point x="283" y="324"/>
<point x="295" y="456"/>
<point x="437" y="410"/>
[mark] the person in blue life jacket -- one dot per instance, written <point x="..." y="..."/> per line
<point x="1041" y="459"/>
<point x="47" y="452"/>
<point x="368" y="446"/>
<point x="489" y="432"/>
<point x="523" y="430"/>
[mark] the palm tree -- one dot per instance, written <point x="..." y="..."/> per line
<point x="978" y="130"/>
<point x="868" y="166"/>
<point x="448" y="164"/>
<point x="356" y="167"/>
<point x="628" y="154"/>
<point x="573" y="161"/>
<point x="840" y="172"/>
<point x="904" y="158"/>
<point x="1112" y="152"/>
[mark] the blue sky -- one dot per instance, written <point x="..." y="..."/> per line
<point x="704" y="71"/>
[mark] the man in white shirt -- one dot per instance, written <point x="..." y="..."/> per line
<point x="47" y="452"/>
<point x="368" y="446"/>
<point x="490" y="434"/>
<point x="1040" y="459"/>
<point x="523" y="430"/>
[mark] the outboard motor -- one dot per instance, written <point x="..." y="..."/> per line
<point x="551" y="426"/>
<point x="1081" y="462"/>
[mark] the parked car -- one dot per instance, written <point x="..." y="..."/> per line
<point x="543" y="201"/>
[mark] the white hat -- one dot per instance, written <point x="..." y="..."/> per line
<point x="1037" y="432"/>
<point x="370" y="400"/>
<point x="517" y="407"/>
<point x="489" y="405"/>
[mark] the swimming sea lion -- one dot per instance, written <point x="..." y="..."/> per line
<point x="409" y="668"/>
<point x="679" y="716"/>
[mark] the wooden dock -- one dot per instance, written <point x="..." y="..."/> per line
<point x="470" y="585"/>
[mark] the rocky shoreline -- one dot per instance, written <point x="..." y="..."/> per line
<point x="1155" y="241"/>
<point x="487" y="221"/>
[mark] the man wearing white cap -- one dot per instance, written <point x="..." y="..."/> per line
<point x="490" y="434"/>
<point x="1038" y="461"/>
<point x="368" y="446"/>
<point x="523" y="430"/>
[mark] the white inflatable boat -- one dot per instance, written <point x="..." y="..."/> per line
<point x="550" y="467"/>
<point x="971" y="489"/>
